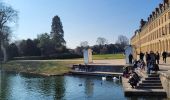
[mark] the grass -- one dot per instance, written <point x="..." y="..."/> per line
<point x="108" y="56"/>
<point x="52" y="67"/>
<point x="40" y="67"/>
<point x="104" y="57"/>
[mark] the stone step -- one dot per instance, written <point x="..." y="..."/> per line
<point x="146" y="92"/>
<point x="128" y="91"/>
<point x="151" y="81"/>
<point x="152" y="78"/>
<point x="153" y="75"/>
<point x="149" y="87"/>
<point x="150" y="84"/>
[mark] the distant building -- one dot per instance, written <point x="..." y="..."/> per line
<point x="154" y="34"/>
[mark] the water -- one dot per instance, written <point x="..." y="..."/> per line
<point x="25" y="87"/>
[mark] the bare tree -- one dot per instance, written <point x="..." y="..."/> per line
<point x="7" y="15"/>
<point x="122" y="40"/>
<point x="84" y="44"/>
<point x="101" y="41"/>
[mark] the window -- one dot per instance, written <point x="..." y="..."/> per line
<point x="160" y="32"/>
<point x="169" y="28"/>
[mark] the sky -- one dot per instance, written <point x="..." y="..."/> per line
<point x="83" y="20"/>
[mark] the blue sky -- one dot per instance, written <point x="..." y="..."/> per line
<point x="83" y="20"/>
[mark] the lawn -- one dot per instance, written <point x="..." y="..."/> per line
<point x="108" y="56"/>
<point x="51" y="67"/>
<point x="40" y="67"/>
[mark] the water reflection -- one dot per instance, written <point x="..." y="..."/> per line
<point x="59" y="88"/>
<point x="89" y="87"/>
<point x="27" y="87"/>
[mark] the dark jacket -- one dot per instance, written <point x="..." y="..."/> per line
<point x="164" y="54"/>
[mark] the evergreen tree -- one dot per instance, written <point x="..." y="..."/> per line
<point x="57" y="33"/>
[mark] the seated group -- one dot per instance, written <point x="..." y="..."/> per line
<point x="133" y="76"/>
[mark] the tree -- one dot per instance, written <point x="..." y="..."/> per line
<point x="101" y="41"/>
<point x="57" y="33"/>
<point x="45" y="44"/>
<point x="79" y="50"/>
<point x="122" y="41"/>
<point x="29" y="48"/>
<point x="7" y="15"/>
<point x="12" y="50"/>
<point x="22" y="47"/>
<point x="84" y="44"/>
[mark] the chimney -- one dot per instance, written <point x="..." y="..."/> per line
<point x="142" y="23"/>
<point x="153" y="14"/>
<point x="157" y="10"/>
<point x="150" y="16"/>
<point x="148" y="19"/>
<point x="166" y="1"/>
<point x="160" y="7"/>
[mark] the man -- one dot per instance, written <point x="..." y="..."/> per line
<point x="157" y="57"/>
<point x="130" y="58"/>
<point x="147" y="55"/>
<point x="164" y="55"/>
<point x="152" y="61"/>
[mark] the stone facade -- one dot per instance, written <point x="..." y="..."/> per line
<point x="165" y="79"/>
<point x="154" y="34"/>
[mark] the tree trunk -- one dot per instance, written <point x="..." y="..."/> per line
<point x="3" y="48"/>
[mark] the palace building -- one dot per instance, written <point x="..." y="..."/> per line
<point x="154" y="34"/>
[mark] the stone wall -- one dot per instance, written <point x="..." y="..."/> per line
<point x="101" y="68"/>
<point x="165" y="79"/>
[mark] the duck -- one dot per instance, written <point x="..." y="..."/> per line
<point x="115" y="78"/>
<point x="103" y="78"/>
<point x="80" y="84"/>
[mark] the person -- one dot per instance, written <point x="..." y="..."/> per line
<point x="157" y="57"/>
<point x="136" y="76"/>
<point x="141" y="55"/>
<point x="151" y="62"/>
<point x="147" y="61"/>
<point x="142" y="65"/>
<point x="164" y="55"/>
<point x="135" y="64"/>
<point x="130" y="58"/>
<point x="152" y="57"/>
<point x="134" y="79"/>
<point x="156" y="68"/>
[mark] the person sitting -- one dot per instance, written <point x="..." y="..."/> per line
<point x="135" y="62"/>
<point x="134" y="79"/>
<point x="136" y="76"/>
<point x="142" y="66"/>
<point x="132" y="82"/>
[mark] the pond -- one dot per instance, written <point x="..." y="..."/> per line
<point x="27" y="87"/>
